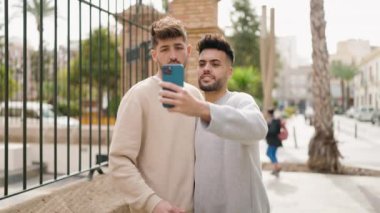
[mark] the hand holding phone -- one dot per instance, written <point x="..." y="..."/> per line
<point x="173" y="73"/>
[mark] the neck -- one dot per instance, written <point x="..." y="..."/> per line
<point x="213" y="96"/>
<point x="158" y="74"/>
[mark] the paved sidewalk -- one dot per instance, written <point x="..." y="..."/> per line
<point x="312" y="192"/>
<point x="295" y="192"/>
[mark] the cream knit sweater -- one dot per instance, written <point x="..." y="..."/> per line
<point x="152" y="150"/>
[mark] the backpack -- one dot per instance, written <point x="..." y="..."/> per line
<point x="283" y="135"/>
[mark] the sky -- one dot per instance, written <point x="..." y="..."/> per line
<point x="16" y="20"/>
<point x="346" y="19"/>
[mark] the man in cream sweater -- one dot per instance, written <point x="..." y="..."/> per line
<point x="227" y="167"/>
<point x="152" y="151"/>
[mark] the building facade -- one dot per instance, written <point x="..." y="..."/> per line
<point x="367" y="82"/>
<point x="293" y="81"/>
<point x="350" y="52"/>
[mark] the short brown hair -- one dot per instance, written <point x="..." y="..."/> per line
<point x="216" y="41"/>
<point x="167" y="27"/>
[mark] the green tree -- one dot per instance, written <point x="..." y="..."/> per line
<point x="33" y="7"/>
<point x="35" y="64"/>
<point x="99" y="68"/>
<point x="344" y="73"/>
<point x="13" y="86"/>
<point x="247" y="79"/>
<point x="245" y="38"/>
<point x="165" y="5"/>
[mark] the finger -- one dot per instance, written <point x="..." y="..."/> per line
<point x="178" y="210"/>
<point x="168" y="101"/>
<point x="171" y="86"/>
<point x="168" y="94"/>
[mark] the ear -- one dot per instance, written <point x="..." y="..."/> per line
<point x="230" y="71"/>
<point x="153" y="52"/>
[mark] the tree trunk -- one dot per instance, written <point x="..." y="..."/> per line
<point x="323" y="150"/>
<point x="348" y="96"/>
<point x="343" y="98"/>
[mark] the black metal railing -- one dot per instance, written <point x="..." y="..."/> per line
<point x="105" y="52"/>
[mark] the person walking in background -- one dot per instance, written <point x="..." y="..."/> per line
<point x="152" y="151"/>
<point x="227" y="167"/>
<point x="273" y="141"/>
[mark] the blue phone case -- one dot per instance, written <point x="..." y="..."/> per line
<point x="173" y="73"/>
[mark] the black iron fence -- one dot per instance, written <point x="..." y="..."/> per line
<point x="58" y="101"/>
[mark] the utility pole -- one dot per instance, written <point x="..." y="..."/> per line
<point x="267" y="58"/>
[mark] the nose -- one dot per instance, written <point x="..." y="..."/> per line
<point x="173" y="55"/>
<point x="206" y="68"/>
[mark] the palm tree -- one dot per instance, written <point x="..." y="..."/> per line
<point x="323" y="150"/>
<point x="344" y="73"/>
<point x="33" y="7"/>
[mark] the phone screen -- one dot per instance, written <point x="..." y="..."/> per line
<point x="173" y="73"/>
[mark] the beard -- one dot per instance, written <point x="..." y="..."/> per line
<point x="217" y="85"/>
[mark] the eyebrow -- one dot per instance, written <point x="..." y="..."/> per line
<point x="176" y="45"/>
<point x="164" y="46"/>
<point x="179" y="44"/>
<point x="212" y="60"/>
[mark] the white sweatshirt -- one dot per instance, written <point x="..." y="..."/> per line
<point x="227" y="167"/>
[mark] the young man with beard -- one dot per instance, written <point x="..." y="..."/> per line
<point x="152" y="151"/>
<point x="227" y="167"/>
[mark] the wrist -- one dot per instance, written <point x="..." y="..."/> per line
<point x="152" y="202"/>
<point x="204" y="112"/>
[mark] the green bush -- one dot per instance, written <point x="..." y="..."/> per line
<point x="114" y="105"/>
<point x="74" y="109"/>
<point x="289" y="111"/>
<point x="247" y="79"/>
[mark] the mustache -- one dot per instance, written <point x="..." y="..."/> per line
<point x="207" y="75"/>
<point x="174" y="62"/>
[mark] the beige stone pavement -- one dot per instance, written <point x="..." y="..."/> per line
<point x="97" y="195"/>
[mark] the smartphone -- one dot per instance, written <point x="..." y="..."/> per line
<point x="173" y="73"/>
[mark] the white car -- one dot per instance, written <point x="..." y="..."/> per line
<point x="365" y="113"/>
<point x="15" y="114"/>
<point x="376" y="118"/>
<point x="351" y="112"/>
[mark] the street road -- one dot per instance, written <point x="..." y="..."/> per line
<point x="360" y="151"/>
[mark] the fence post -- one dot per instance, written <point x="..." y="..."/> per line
<point x="295" y="137"/>
<point x="356" y="130"/>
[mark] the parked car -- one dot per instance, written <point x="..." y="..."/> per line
<point x="351" y="112"/>
<point x="16" y="114"/>
<point x="376" y="118"/>
<point x="365" y="114"/>
<point x="338" y="110"/>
